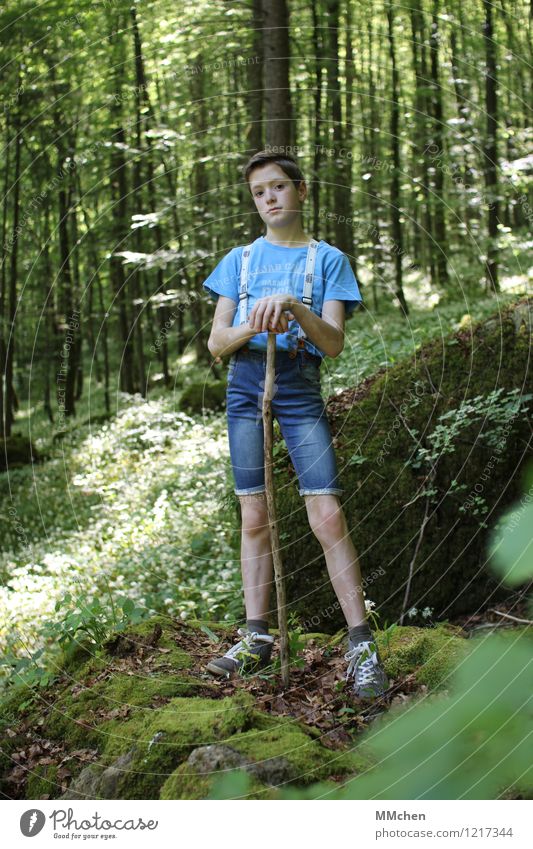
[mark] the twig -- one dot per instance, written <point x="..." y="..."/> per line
<point x="413" y="560"/>
<point x="514" y="618"/>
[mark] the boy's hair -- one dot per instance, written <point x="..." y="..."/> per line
<point x="284" y="160"/>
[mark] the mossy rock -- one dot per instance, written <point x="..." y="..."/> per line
<point x="16" y="451"/>
<point x="200" y="395"/>
<point x="431" y="653"/>
<point x="383" y="498"/>
<point x="185" y="783"/>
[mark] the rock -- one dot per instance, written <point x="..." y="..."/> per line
<point x="385" y="487"/>
<point x="209" y="759"/>
<point x="95" y="783"/>
<point x="274" y="771"/>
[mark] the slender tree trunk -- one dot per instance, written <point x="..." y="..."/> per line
<point x="318" y="51"/>
<point x="397" y="234"/>
<point x="3" y="278"/>
<point x="440" y="234"/>
<point x="427" y="151"/>
<point x="339" y="177"/>
<point x="52" y="344"/>
<point x="119" y="194"/>
<point x="378" y="263"/>
<point x="490" y="153"/>
<point x="200" y="186"/>
<point x="10" y="402"/>
<point x="104" y="332"/>
<point x="67" y="366"/>
<point x="77" y="361"/>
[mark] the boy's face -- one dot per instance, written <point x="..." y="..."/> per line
<point x="272" y="189"/>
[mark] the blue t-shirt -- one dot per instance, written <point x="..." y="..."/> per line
<point x="276" y="269"/>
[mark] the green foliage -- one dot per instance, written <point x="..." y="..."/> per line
<point x="88" y="626"/>
<point x="495" y="411"/>
<point x="511" y="543"/>
<point x="91" y="622"/>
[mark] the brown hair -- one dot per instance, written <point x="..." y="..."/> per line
<point x="285" y="161"/>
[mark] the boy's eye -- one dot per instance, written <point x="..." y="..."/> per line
<point x="279" y="186"/>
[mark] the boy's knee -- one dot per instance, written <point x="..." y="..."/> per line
<point x="254" y="513"/>
<point x="327" y="520"/>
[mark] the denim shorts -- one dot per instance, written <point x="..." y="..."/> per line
<point x="298" y="407"/>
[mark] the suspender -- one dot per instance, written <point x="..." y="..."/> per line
<point x="307" y="298"/>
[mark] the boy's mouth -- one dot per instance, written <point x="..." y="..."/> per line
<point x="275" y="209"/>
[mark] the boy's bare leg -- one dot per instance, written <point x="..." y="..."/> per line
<point x="328" y="523"/>
<point x="256" y="555"/>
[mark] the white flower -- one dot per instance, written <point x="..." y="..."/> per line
<point x="412" y="613"/>
<point x="427" y="612"/>
<point x="369" y="604"/>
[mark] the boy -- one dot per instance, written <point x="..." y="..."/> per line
<point x="300" y="289"/>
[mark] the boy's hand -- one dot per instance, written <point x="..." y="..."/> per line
<point x="272" y="313"/>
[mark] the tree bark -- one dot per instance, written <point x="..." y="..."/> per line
<point x="277" y="92"/>
<point x="397" y="234"/>
<point x="490" y="152"/>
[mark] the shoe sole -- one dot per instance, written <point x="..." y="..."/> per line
<point x="219" y="671"/>
<point x="225" y="673"/>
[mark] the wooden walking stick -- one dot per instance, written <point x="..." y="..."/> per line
<point x="271" y="507"/>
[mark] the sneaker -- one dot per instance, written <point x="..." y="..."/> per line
<point x="364" y="668"/>
<point x="249" y="655"/>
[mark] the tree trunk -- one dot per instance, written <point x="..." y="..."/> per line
<point x="338" y="170"/>
<point x="397" y="235"/>
<point x="9" y="402"/>
<point x="439" y="221"/>
<point x="490" y="152"/>
<point x="318" y="53"/>
<point x="277" y="92"/>
<point x="424" y="146"/>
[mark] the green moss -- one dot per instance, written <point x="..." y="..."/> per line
<point x="309" y="759"/>
<point x="42" y="781"/>
<point x="163" y="741"/>
<point x="431" y="653"/>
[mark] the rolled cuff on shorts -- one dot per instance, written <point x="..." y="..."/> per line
<point x="321" y="491"/>
<point x="252" y="491"/>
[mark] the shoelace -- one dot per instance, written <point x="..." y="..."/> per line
<point x="248" y="637"/>
<point x="359" y="662"/>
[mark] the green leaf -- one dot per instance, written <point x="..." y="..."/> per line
<point x="128" y="606"/>
<point x="511" y="545"/>
<point x="213" y="637"/>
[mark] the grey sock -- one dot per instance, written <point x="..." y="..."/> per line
<point x="260" y="626"/>
<point x="359" y="634"/>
